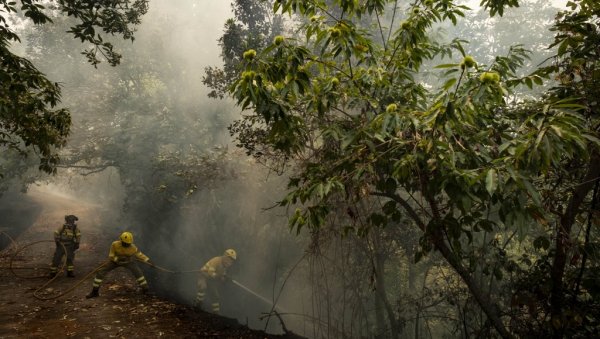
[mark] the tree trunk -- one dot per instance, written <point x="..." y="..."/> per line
<point x="483" y="300"/>
<point x="563" y="237"/>
<point x="381" y="295"/>
<point x="379" y="318"/>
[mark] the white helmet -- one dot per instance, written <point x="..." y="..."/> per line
<point x="231" y="253"/>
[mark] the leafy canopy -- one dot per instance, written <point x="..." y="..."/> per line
<point x="353" y="104"/>
<point x="29" y="114"/>
<point x="351" y="98"/>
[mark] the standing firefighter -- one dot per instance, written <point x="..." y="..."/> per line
<point x="123" y="253"/>
<point x="212" y="275"/>
<point x="67" y="239"/>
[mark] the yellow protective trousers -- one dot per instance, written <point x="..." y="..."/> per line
<point x="208" y="287"/>
<point x="132" y="266"/>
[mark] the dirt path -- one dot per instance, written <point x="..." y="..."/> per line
<point x="120" y="311"/>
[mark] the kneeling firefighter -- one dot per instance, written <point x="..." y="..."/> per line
<point x="123" y="253"/>
<point x="212" y="275"/>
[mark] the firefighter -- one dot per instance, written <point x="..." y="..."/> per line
<point x="67" y="238"/>
<point x="212" y="275"/>
<point x="123" y="253"/>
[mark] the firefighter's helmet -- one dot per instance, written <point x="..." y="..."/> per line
<point x="231" y="253"/>
<point x="71" y="218"/>
<point x="126" y="237"/>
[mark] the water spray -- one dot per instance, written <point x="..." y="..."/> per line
<point x="276" y="307"/>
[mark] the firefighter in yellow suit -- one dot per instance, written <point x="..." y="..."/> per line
<point x="123" y="253"/>
<point x="212" y="275"/>
<point x="67" y="238"/>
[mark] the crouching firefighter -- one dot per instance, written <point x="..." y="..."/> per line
<point x="67" y="238"/>
<point x="123" y="253"/>
<point x="212" y="276"/>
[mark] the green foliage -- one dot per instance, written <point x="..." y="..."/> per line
<point x="28" y="113"/>
<point x="460" y="158"/>
<point x="29" y="117"/>
<point x="252" y="28"/>
<point x="497" y="6"/>
<point x="113" y="18"/>
<point x="451" y="137"/>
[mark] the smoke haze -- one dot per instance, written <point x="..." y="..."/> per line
<point x="130" y="125"/>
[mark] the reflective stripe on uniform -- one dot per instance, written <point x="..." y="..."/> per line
<point x="97" y="282"/>
<point x="216" y="307"/>
<point x="200" y="296"/>
<point x="70" y="268"/>
<point x="142" y="281"/>
<point x="53" y="269"/>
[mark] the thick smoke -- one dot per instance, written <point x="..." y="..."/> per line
<point x="135" y="124"/>
<point x="132" y="122"/>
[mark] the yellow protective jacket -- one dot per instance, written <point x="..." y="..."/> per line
<point x="67" y="234"/>
<point x="122" y="255"/>
<point x="214" y="268"/>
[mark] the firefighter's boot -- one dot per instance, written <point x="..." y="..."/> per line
<point x="70" y="274"/>
<point x="51" y="275"/>
<point x="94" y="293"/>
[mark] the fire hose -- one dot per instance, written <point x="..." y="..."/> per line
<point x="36" y="293"/>
<point x="275" y="309"/>
<point x="16" y="250"/>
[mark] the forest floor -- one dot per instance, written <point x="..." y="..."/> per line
<point x="120" y="311"/>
